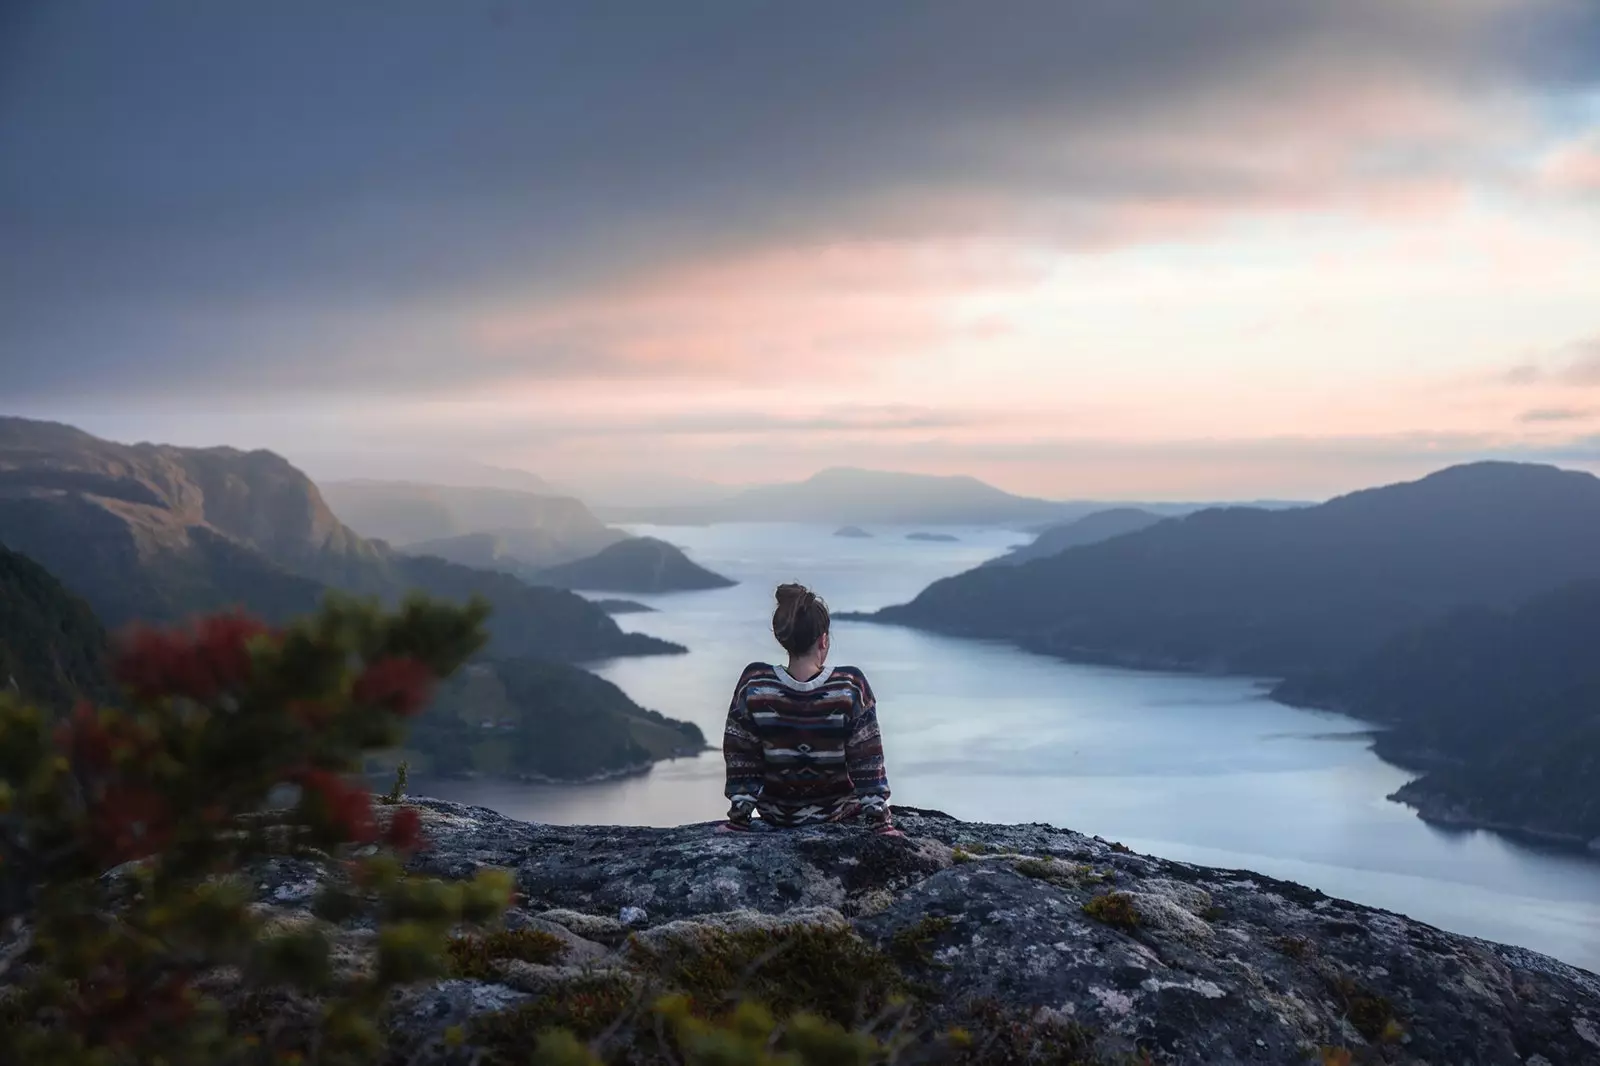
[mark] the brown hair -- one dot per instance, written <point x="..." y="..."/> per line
<point x="800" y="620"/>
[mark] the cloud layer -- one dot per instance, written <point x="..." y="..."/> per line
<point x="301" y="193"/>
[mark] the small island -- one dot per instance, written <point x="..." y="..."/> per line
<point x="853" y="532"/>
<point x="934" y="538"/>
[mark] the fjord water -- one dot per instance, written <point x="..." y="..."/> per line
<point x="1198" y="769"/>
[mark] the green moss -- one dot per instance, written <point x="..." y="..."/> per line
<point x="475" y="956"/>
<point x="1058" y="872"/>
<point x="1372" y="1015"/>
<point x="1115" y="909"/>
<point x="827" y="971"/>
<point x="993" y="1033"/>
<point x="910" y="946"/>
<point x="959" y="855"/>
<point x="585" y="1008"/>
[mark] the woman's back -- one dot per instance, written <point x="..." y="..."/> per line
<point x="805" y="751"/>
<point x="801" y="743"/>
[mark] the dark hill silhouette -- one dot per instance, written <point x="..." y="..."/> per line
<point x="1283" y="592"/>
<point x="544" y="719"/>
<point x="1090" y="529"/>
<point x="1502" y="708"/>
<point x="639" y="564"/>
<point x="52" y="647"/>
<point x="157" y="532"/>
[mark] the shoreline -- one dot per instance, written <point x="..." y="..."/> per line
<point x="1434" y="808"/>
<point x="601" y="777"/>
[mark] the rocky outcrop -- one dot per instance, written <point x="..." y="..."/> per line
<point x="1097" y="953"/>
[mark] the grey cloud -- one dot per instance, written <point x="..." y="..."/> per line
<point x="1558" y="414"/>
<point x="199" y="194"/>
<point x="1576" y="365"/>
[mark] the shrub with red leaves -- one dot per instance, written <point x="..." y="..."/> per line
<point x="402" y="684"/>
<point x="170" y="789"/>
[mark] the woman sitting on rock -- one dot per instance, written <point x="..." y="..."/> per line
<point x="802" y="743"/>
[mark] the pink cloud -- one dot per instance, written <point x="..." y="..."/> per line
<point x="758" y="316"/>
<point x="1574" y="167"/>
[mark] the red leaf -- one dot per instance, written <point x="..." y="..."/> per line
<point x="398" y="683"/>
<point x="405" y="829"/>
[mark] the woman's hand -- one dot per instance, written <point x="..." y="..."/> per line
<point x="889" y="831"/>
<point x="733" y="827"/>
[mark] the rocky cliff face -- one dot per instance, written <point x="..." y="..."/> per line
<point x="1041" y="944"/>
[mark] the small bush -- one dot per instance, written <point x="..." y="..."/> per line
<point x="170" y="789"/>
<point x="1115" y="909"/>
<point x="397" y="791"/>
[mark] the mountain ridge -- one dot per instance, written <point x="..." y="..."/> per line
<point x="157" y="532"/>
<point x="1231" y="589"/>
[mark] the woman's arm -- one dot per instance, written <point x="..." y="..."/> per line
<point x="745" y="761"/>
<point x="863" y="755"/>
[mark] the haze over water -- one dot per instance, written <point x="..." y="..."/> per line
<point x="1204" y="770"/>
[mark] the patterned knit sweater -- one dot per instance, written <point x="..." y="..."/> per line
<point x="804" y="751"/>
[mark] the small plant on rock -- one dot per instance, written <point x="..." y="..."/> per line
<point x="127" y="836"/>
<point x="1115" y="909"/>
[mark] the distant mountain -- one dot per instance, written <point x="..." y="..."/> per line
<point x="853" y="532"/>
<point x="530" y="717"/>
<point x="639" y="564"/>
<point x="843" y="496"/>
<point x="52" y="647"/>
<point x="473" y="526"/>
<point x="1090" y="529"/>
<point x="1500" y="708"/>
<point x="933" y="538"/>
<point x="160" y="533"/>
<point x="1277" y="593"/>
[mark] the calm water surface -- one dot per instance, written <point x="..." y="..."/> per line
<point x="1198" y="769"/>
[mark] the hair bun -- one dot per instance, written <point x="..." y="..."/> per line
<point x="793" y="593"/>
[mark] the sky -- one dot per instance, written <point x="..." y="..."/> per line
<point x="1078" y="248"/>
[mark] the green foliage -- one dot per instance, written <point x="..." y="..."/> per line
<point x="1115" y="909"/>
<point x="476" y="954"/>
<point x="397" y="791"/>
<point x="170" y="790"/>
